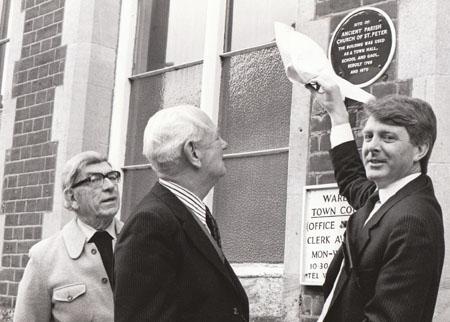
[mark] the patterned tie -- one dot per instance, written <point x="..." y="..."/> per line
<point x="213" y="228"/>
<point x="103" y="240"/>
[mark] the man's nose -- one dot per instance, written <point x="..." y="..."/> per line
<point x="224" y="144"/>
<point x="373" y="144"/>
<point x="108" y="184"/>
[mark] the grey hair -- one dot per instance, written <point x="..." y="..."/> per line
<point x="74" y="165"/>
<point x="168" y="130"/>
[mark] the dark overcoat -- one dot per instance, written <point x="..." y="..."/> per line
<point x="167" y="269"/>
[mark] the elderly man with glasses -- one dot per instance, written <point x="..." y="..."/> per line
<point x="69" y="275"/>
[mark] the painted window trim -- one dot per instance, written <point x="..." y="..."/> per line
<point x="248" y="49"/>
<point x="214" y="53"/>
<point x="225" y="156"/>
<point x="165" y="70"/>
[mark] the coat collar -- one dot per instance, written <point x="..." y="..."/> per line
<point x="74" y="238"/>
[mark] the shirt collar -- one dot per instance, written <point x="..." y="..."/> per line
<point x="188" y="198"/>
<point x="89" y="231"/>
<point x="392" y="189"/>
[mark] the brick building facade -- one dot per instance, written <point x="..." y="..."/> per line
<point x="81" y="75"/>
<point x="29" y="168"/>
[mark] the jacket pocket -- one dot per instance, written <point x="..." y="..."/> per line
<point x="68" y="293"/>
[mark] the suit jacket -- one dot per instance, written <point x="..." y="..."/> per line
<point x="166" y="268"/>
<point x="397" y="256"/>
<point x="65" y="280"/>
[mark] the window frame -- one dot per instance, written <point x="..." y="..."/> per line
<point x="4" y="21"/>
<point x="217" y="39"/>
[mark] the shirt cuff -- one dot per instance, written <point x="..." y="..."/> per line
<point x="340" y="134"/>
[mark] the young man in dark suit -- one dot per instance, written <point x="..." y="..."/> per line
<point x="390" y="264"/>
<point x="169" y="265"/>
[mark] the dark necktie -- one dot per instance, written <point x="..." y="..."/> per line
<point x="213" y="228"/>
<point x="103" y="241"/>
<point x="373" y="199"/>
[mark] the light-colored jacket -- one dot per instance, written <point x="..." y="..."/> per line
<point x="65" y="280"/>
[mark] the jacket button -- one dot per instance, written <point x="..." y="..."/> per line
<point x="104" y="280"/>
<point x="93" y="251"/>
<point x="69" y="298"/>
<point x="235" y="311"/>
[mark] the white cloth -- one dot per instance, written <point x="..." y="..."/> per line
<point x="304" y="59"/>
<point x="340" y="134"/>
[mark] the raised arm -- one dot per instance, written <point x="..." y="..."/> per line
<point x="348" y="168"/>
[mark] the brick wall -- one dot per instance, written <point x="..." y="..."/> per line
<point x="320" y="170"/>
<point x="29" y="172"/>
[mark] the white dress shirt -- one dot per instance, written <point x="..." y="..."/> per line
<point x="189" y="199"/>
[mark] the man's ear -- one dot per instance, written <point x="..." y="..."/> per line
<point x="421" y="151"/>
<point x="192" y="154"/>
<point x="70" y="200"/>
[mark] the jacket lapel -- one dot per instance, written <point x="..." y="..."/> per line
<point x="118" y="226"/>
<point x="348" y="249"/>
<point x="194" y="232"/>
<point x="417" y="185"/>
<point x="354" y="226"/>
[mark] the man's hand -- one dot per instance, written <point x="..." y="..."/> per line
<point x="327" y="93"/>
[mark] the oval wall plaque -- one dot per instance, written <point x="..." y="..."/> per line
<point x="362" y="46"/>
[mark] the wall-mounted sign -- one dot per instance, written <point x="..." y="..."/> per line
<point x="362" y="46"/>
<point x="324" y="218"/>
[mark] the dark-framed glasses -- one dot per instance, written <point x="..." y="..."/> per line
<point x="96" y="179"/>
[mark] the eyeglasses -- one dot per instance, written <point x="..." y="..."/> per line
<point x="96" y="179"/>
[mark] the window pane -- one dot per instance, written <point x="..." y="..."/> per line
<point x="250" y="201"/>
<point x="4" y="17"/>
<point x="256" y="101"/>
<point x="170" y="32"/>
<point x="136" y="184"/>
<point x="150" y="94"/>
<point x="252" y="20"/>
<point x="251" y="212"/>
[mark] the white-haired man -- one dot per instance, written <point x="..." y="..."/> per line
<point x="69" y="275"/>
<point x="169" y="262"/>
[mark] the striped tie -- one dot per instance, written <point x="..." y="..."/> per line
<point x="213" y="228"/>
